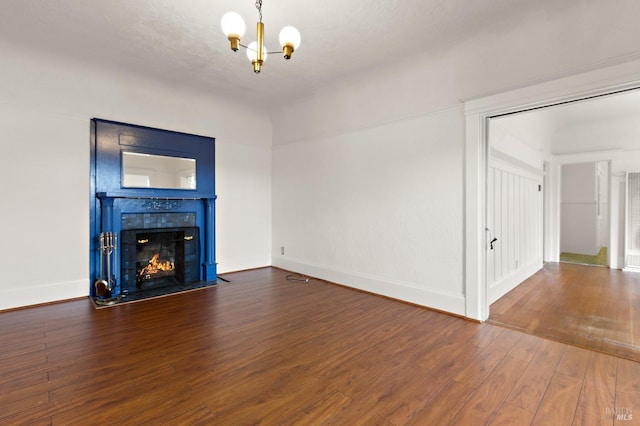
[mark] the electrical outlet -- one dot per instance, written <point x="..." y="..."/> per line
<point x="282" y="250"/>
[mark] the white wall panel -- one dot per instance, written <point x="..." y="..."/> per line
<point x="514" y="217"/>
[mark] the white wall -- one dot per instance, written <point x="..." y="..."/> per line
<point x="372" y="209"/>
<point x="45" y="111"/>
<point x="344" y="207"/>
<point x="530" y="153"/>
<point x="590" y="136"/>
<point x="578" y="211"/>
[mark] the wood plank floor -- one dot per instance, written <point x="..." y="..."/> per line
<point x="265" y="350"/>
<point x="591" y="307"/>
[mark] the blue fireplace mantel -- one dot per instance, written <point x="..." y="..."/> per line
<point x="115" y="207"/>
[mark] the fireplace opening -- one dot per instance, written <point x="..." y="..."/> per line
<point x="156" y="255"/>
<point x="158" y="258"/>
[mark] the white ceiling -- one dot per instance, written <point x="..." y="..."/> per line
<point x="605" y="123"/>
<point x="181" y="43"/>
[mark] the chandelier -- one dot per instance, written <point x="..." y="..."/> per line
<point x="234" y="27"/>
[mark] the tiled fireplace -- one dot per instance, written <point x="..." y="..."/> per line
<point x="154" y="191"/>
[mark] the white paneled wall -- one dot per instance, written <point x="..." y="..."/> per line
<point x="514" y="217"/>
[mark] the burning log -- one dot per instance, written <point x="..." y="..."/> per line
<point x="155" y="267"/>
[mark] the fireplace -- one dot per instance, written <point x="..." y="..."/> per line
<point x="156" y="258"/>
<point x="155" y="190"/>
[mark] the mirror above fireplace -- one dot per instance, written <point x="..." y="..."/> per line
<point x="141" y="170"/>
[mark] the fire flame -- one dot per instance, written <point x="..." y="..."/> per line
<point x="155" y="266"/>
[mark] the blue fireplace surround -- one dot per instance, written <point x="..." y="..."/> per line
<point x="115" y="208"/>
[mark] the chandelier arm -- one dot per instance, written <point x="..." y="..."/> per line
<point x="273" y="52"/>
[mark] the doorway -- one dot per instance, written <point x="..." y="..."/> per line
<point x="587" y="85"/>
<point x="567" y="302"/>
<point x="584" y="213"/>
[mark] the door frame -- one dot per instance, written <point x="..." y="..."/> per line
<point x="615" y="77"/>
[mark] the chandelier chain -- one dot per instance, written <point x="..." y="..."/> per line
<point x="259" y="7"/>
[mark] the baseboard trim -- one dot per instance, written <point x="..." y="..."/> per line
<point x="29" y="296"/>
<point x="441" y="301"/>
<point x="505" y="285"/>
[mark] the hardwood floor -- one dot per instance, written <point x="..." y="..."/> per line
<point x="265" y="350"/>
<point x="591" y="307"/>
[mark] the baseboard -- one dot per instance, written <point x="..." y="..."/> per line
<point x="447" y="302"/>
<point x="511" y="281"/>
<point x="226" y="266"/>
<point x="46" y="293"/>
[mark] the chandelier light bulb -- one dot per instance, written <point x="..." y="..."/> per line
<point x="291" y="35"/>
<point x="252" y="54"/>
<point x="289" y="40"/>
<point x="252" y="51"/>
<point x="233" y="27"/>
<point x="232" y="23"/>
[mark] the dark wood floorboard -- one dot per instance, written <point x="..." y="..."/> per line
<point x="265" y="350"/>
<point x="592" y="307"/>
